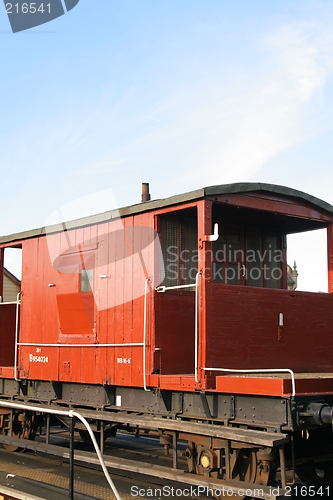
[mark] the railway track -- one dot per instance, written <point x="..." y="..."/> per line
<point x="46" y="474"/>
<point x="28" y="471"/>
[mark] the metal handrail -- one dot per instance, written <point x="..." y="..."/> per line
<point x="144" y="335"/>
<point x="18" y="302"/>
<point x="162" y="289"/>
<point x="7" y="303"/>
<point x="196" y="328"/>
<point x="259" y="371"/>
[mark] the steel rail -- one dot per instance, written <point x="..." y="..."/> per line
<point x="166" y="473"/>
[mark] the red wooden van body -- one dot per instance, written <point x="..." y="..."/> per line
<point x="175" y="315"/>
<point x="124" y="330"/>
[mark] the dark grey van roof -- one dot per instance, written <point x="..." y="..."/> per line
<point x="240" y="188"/>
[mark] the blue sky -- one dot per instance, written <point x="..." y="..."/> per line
<point x="181" y="94"/>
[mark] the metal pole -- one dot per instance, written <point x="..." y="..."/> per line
<point x="11" y="422"/>
<point x="174" y="450"/>
<point x="196" y="329"/>
<point x="47" y="428"/>
<point x="227" y="459"/>
<point x="283" y="467"/>
<point x="101" y="444"/>
<point x="71" y="458"/>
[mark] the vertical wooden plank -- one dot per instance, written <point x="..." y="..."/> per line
<point x="146" y="273"/>
<point x="93" y="375"/>
<point x="330" y="257"/>
<point x="1" y="271"/>
<point x="100" y="353"/>
<point x="119" y="308"/>
<point x="75" y="355"/>
<point x="78" y="236"/>
<point x="128" y="297"/>
<point x="284" y="263"/>
<point x="156" y="339"/>
<point x="139" y="277"/>
<point x="155" y="265"/>
<point x="67" y="239"/>
<point x="31" y="305"/>
<point x="44" y="309"/>
<point x="50" y="310"/>
<point x="205" y="282"/>
<point x="102" y="301"/>
<point x="28" y="284"/>
<point x="112" y="352"/>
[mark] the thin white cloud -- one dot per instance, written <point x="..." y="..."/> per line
<point x="222" y="126"/>
<point x="303" y="54"/>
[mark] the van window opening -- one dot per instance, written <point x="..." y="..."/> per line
<point x="309" y="250"/>
<point x="10" y="273"/>
<point x="179" y="242"/>
<point x="13" y="261"/>
<point x="87" y="276"/>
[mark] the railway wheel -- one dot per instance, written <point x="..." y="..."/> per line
<point x="254" y="466"/>
<point x="310" y="444"/>
<point x="257" y="467"/>
<point x="318" y="475"/>
<point x="23" y="427"/>
<point x="243" y="464"/>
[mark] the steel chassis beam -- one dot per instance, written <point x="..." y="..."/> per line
<point x="250" y="436"/>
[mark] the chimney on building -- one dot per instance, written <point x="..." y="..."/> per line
<point x="145" y="192"/>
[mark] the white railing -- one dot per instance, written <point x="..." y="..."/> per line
<point x="144" y="335"/>
<point x="196" y="328"/>
<point x="258" y="371"/>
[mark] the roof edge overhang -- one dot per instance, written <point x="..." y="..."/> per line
<point x="223" y="189"/>
<point x="250" y="187"/>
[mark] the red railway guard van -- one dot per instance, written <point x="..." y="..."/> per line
<point x="174" y="315"/>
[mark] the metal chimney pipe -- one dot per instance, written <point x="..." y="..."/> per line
<point x="145" y="192"/>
